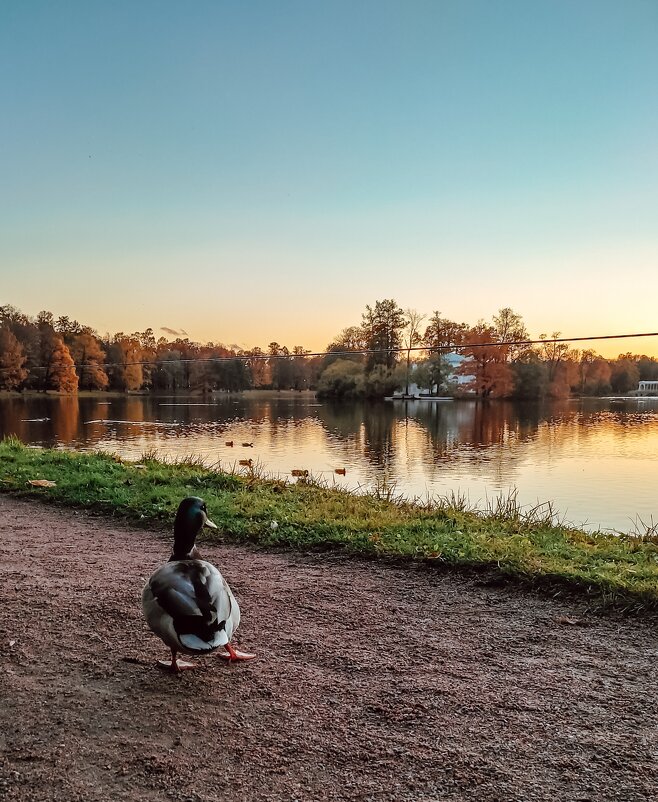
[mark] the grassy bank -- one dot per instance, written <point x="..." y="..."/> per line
<point x="525" y="545"/>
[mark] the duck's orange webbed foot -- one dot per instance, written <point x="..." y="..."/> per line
<point x="176" y="666"/>
<point x="234" y="654"/>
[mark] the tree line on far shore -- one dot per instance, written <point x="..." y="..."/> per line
<point x="389" y="349"/>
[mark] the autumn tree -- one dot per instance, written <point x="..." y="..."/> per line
<point x="509" y="328"/>
<point x="26" y="332"/>
<point x="63" y="377"/>
<point x="168" y="371"/>
<point x="586" y="359"/>
<point x="218" y="368"/>
<point x="57" y="364"/>
<point x="314" y="366"/>
<point x="12" y="360"/>
<point x="20" y="325"/>
<point x="487" y="363"/>
<point x="148" y="348"/>
<point x="169" y="363"/>
<point x="258" y="366"/>
<point x="89" y="359"/>
<point x="124" y="362"/>
<point x="67" y="329"/>
<point x="56" y="367"/>
<point x="442" y="334"/>
<point x="594" y="373"/>
<point x="566" y="376"/>
<point x="46" y="319"/>
<point x="203" y="371"/>
<point x="599" y="377"/>
<point x="189" y="352"/>
<point x="553" y="353"/>
<point x="625" y="375"/>
<point x="561" y="366"/>
<point x="648" y="368"/>
<point x="9" y="315"/>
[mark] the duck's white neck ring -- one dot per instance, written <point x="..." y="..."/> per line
<point x="190" y="555"/>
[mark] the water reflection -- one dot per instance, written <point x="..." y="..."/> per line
<point x="596" y="459"/>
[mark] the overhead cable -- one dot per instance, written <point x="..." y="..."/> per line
<point x="449" y="347"/>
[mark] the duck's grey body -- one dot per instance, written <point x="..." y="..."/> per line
<point x="189" y="604"/>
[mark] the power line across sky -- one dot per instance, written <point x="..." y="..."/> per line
<point x="448" y="348"/>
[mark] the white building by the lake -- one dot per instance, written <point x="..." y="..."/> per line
<point x="647" y="388"/>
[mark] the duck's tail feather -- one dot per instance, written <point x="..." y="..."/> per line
<point x="194" y="642"/>
<point x="195" y="632"/>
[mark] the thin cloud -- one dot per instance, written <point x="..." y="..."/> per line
<point x="173" y="332"/>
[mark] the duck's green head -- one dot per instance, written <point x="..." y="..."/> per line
<point x="191" y="517"/>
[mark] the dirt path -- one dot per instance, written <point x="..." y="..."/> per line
<point x="372" y="682"/>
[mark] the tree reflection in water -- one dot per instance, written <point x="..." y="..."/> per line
<point x="595" y="458"/>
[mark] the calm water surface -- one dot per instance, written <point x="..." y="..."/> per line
<point x="596" y="460"/>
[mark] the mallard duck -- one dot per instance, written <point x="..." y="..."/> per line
<point x="187" y="602"/>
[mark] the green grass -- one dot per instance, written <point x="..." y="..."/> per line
<point x="529" y="546"/>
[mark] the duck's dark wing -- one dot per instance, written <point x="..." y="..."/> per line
<point x="183" y="596"/>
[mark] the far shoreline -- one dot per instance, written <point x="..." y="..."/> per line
<point x="214" y="395"/>
<point x="217" y="395"/>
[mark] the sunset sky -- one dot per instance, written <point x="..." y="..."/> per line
<point x="257" y="171"/>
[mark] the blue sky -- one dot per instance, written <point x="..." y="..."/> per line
<point x="263" y="170"/>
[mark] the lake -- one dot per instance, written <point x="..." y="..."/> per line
<point x="596" y="460"/>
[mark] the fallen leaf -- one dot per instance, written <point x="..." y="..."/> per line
<point x="572" y="622"/>
<point x="41" y="483"/>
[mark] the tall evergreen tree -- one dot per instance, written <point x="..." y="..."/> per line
<point x="383" y="326"/>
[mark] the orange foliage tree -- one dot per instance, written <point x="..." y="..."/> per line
<point x="565" y="377"/>
<point x="204" y="375"/>
<point x="55" y="363"/>
<point x="625" y="374"/>
<point x="58" y="364"/>
<point x="89" y="358"/>
<point x="12" y="360"/>
<point x="258" y="367"/>
<point x="594" y="373"/>
<point x="487" y="362"/>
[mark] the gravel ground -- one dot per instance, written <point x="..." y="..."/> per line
<point x="373" y="682"/>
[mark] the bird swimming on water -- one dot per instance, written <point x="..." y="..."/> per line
<point x="187" y="602"/>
